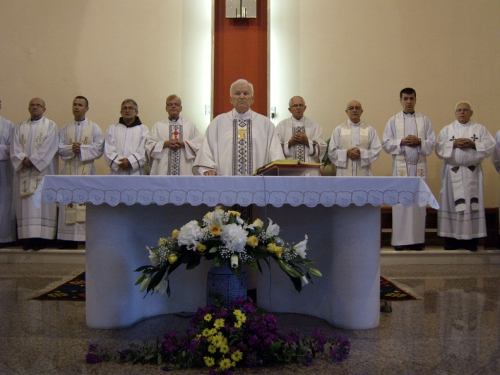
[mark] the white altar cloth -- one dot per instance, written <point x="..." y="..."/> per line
<point x="341" y="216"/>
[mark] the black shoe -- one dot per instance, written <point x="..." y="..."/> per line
<point x="399" y="248"/>
<point x="417" y="246"/>
<point x="473" y="248"/>
<point x="65" y="244"/>
<point x="450" y="247"/>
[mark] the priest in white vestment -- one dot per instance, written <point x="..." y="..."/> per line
<point x="495" y="159"/>
<point x="240" y="141"/>
<point x="409" y="138"/>
<point x="301" y="137"/>
<point x="463" y="145"/>
<point x="354" y="145"/>
<point x="173" y="143"/>
<point x="125" y="143"/>
<point x="7" y="217"/>
<point x="34" y="155"/>
<point x="81" y="142"/>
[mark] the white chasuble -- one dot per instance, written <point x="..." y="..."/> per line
<point x="461" y="213"/>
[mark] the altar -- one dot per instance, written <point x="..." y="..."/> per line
<point x="340" y="215"/>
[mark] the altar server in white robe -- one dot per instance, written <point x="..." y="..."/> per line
<point x="300" y="136"/>
<point x="239" y="141"/>
<point x="34" y="155"/>
<point x="463" y="145"/>
<point x="125" y="143"/>
<point x="81" y="142"/>
<point x="7" y="217"/>
<point x="354" y="145"/>
<point x="173" y="143"/>
<point x="409" y="138"/>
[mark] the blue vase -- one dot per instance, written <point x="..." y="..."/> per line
<point x="223" y="281"/>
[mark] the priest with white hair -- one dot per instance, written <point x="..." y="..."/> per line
<point x="300" y="136"/>
<point x="239" y="141"/>
<point x="463" y="145"/>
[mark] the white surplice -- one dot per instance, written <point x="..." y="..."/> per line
<point x="126" y="142"/>
<point x="408" y="224"/>
<point x="33" y="222"/>
<point x="7" y="217"/>
<point x="91" y="149"/>
<point x="165" y="161"/>
<point x="368" y="144"/>
<point x="495" y="159"/>
<point x="219" y="150"/>
<point x="312" y="152"/>
<point x="467" y="223"/>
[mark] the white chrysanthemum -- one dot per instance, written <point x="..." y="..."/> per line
<point x="234" y="237"/>
<point x="190" y="235"/>
<point x="272" y="229"/>
<point x="301" y="247"/>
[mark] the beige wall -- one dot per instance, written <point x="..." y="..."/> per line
<point x="106" y="50"/>
<point x="336" y="50"/>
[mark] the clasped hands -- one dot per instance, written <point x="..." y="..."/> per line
<point x="411" y="141"/>
<point x="463" y="143"/>
<point x="298" y="138"/>
<point x="354" y="153"/>
<point x="173" y="144"/>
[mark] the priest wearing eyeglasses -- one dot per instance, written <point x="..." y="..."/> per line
<point x="239" y="141"/>
<point x="33" y="155"/>
<point x="300" y="136"/>
<point x="463" y="145"/>
<point x="173" y="143"/>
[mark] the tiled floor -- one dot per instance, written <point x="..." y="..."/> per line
<point x="454" y="329"/>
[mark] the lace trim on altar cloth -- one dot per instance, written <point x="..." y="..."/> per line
<point x="274" y="196"/>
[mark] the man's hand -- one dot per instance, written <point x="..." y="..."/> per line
<point x="354" y="153"/>
<point x="464" y="143"/>
<point x="174" y="144"/>
<point x="298" y="138"/>
<point x="75" y="147"/>
<point x="211" y="172"/>
<point x="411" y="141"/>
<point x="124" y="164"/>
<point x="27" y="163"/>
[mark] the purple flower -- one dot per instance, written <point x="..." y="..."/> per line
<point x="93" y="358"/>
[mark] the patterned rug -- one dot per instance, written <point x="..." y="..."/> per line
<point x="74" y="290"/>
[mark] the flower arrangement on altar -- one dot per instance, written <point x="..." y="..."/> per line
<point x="223" y="237"/>
<point x="223" y="339"/>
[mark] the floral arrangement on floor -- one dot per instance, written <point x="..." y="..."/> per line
<point x="223" y="237"/>
<point x="223" y="339"/>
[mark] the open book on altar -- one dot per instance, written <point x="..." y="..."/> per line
<point x="289" y="167"/>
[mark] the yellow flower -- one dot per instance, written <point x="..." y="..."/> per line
<point x="225" y="364"/>
<point x="258" y="223"/>
<point x="237" y="324"/>
<point x="215" y="230"/>
<point x="172" y="258"/>
<point x="205" y="332"/>
<point x="213" y="331"/>
<point x="273" y="248"/>
<point x="209" y="361"/>
<point x="224" y="349"/>
<point x="219" y="323"/>
<point x="252" y="241"/>
<point x="241" y="318"/>
<point x="212" y="349"/>
<point x="201" y="248"/>
<point x="237" y="356"/>
<point x="208" y="317"/>
<point x="162" y="241"/>
<point x="175" y="234"/>
<point x="235" y="213"/>
<point x="237" y="312"/>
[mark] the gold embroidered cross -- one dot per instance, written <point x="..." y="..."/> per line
<point x="242" y="133"/>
